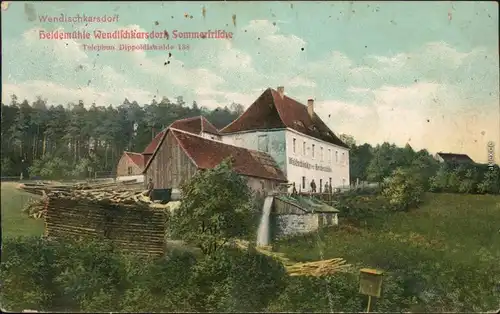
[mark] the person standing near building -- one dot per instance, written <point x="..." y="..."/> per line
<point x="313" y="186"/>
<point x="327" y="188"/>
<point x="150" y="187"/>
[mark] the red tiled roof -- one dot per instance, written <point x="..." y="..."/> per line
<point x="194" y="125"/>
<point x="271" y="111"/>
<point x="150" y="149"/>
<point x="137" y="158"/>
<point x="207" y="154"/>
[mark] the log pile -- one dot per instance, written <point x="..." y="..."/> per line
<point x="117" y="212"/>
<point x="35" y="208"/>
<point x="316" y="268"/>
<point x="112" y="193"/>
<point x="138" y="230"/>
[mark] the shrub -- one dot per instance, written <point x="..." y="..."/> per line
<point x="404" y="188"/>
<point x="215" y="208"/>
<point x="89" y="277"/>
<point x="338" y="293"/>
<point x="234" y="280"/>
<point x="491" y="181"/>
<point x="160" y="285"/>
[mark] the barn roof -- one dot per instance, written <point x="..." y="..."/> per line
<point x="207" y="154"/>
<point x="137" y="158"/>
<point x="194" y="125"/>
<point x="455" y="157"/>
<point x="270" y="110"/>
<point x="150" y="149"/>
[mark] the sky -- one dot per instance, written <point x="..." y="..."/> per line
<point x="423" y="73"/>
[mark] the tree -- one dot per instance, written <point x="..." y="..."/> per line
<point x="491" y="181"/>
<point x="348" y="140"/>
<point x="439" y="182"/>
<point x="215" y="207"/>
<point x="381" y="164"/>
<point x="360" y="157"/>
<point x="237" y="108"/>
<point x="71" y="131"/>
<point x="404" y="188"/>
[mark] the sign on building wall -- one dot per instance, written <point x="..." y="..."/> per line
<point x="303" y="164"/>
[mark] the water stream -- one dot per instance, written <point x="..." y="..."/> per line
<point x="263" y="236"/>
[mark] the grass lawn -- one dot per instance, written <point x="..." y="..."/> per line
<point x="451" y="243"/>
<point x="14" y="222"/>
<point x="446" y="222"/>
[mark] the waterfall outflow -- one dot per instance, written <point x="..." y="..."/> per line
<point x="263" y="231"/>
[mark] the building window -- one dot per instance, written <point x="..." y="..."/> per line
<point x="303" y="182"/>
<point x="304" y="148"/>
<point x="129" y="170"/>
<point x="263" y="143"/>
<point x="329" y="155"/>
<point x="312" y="150"/>
<point x="336" y="157"/>
<point x="343" y="158"/>
<point x="294" y="142"/>
<point x="321" y="153"/>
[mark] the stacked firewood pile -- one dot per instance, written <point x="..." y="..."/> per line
<point x="122" y="193"/>
<point x="131" y="228"/>
<point x="316" y="268"/>
<point x="36" y="208"/>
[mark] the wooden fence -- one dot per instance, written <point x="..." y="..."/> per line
<point x="135" y="229"/>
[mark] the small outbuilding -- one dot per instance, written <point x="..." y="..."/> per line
<point x="293" y="215"/>
<point x="130" y="167"/>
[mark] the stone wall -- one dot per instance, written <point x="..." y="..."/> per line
<point x="134" y="229"/>
<point x="285" y="225"/>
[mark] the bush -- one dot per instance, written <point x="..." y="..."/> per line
<point x="215" y="208"/>
<point x="466" y="178"/>
<point x="234" y="280"/>
<point x="71" y="276"/>
<point x="491" y="181"/>
<point x="404" y="188"/>
<point x="338" y="293"/>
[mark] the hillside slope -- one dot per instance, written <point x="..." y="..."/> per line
<point x="446" y="252"/>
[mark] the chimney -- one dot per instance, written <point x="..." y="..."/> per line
<point x="281" y="91"/>
<point x="310" y="107"/>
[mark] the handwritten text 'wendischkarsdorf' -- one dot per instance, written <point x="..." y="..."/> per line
<point x="79" y="18"/>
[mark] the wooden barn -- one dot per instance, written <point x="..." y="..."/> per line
<point x="180" y="154"/>
<point x="130" y="167"/>
<point x="197" y="125"/>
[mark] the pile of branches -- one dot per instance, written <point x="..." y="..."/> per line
<point x="36" y="207"/>
<point x="107" y="193"/>
<point x="316" y="268"/>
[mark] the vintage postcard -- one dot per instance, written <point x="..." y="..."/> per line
<point x="250" y="156"/>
